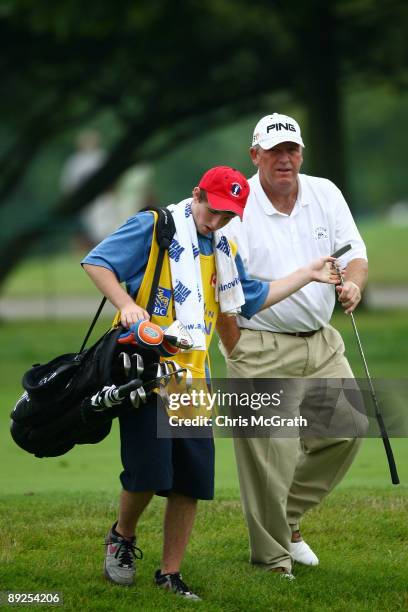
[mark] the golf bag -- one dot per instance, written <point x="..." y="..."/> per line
<point x="55" y="411"/>
<point x="58" y="408"/>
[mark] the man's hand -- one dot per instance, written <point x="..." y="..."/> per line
<point x="323" y="271"/>
<point x="228" y="332"/>
<point x="355" y="278"/>
<point x="349" y="296"/>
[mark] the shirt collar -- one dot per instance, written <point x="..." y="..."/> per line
<point x="265" y="201"/>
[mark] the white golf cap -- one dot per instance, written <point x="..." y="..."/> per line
<point x="274" y="129"/>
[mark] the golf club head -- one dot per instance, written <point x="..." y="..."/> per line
<point x="189" y="379"/>
<point x="177" y="335"/>
<point x="126" y="363"/>
<point x="160" y="374"/>
<point x="142" y="394"/>
<point x="138" y="361"/>
<point x="173" y="367"/>
<point x="134" y="399"/>
<point x="164" y="397"/>
<point x="166" y="370"/>
<point x="178" y="372"/>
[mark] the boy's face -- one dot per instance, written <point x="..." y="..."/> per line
<point x="208" y="219"/>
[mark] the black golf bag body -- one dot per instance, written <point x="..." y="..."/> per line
<point x="56" y="412"/>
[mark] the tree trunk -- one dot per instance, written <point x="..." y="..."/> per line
<point x="322" y="96"/>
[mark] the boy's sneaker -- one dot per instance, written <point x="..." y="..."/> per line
<point x="119" y="565"/>
<point x="174" y="582"/>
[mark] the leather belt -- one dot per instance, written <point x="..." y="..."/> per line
<point x="301" y="334"/>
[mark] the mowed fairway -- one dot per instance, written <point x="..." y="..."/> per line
<point x="54" y="512"/>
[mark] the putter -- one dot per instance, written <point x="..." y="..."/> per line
<point x="341" y="251"/>
<point x="387" y="445"/>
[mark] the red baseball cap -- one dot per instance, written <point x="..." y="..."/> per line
<point x="227" y="189"/>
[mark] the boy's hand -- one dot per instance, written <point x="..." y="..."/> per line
<point x="323" y="271"/>
<point x="131" y="313"/>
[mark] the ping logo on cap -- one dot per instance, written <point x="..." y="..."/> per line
<point x="236" y="189"/>
<point x="280" y="126"/>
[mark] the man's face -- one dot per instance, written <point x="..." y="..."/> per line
<point x="207" y="219"/>
<point x="278" y="167"/>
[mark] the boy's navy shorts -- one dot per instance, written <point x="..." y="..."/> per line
<point x="163" y="465"/>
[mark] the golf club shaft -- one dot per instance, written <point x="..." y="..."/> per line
<point x="388" y="450"/>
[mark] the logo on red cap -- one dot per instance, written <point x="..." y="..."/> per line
<point x="236" y="189"/>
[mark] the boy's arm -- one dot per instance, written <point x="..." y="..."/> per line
<point x="109" y="285"/>
<point x="319" y="270"/>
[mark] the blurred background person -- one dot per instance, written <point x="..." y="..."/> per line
<point x="98" y="218"/>
<point x="113" y="207"/>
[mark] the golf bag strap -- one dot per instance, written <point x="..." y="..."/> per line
<point x="155" y="282"/>
<point x="165" y="230"/>
<point x="164" y="234"/>
<point x="92" y="325"/>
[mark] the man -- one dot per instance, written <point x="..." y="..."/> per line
<point x="198" y="261"/>
<point x="290" y="218"/>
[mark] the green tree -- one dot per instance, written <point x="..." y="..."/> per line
<point x="169" y="70"/>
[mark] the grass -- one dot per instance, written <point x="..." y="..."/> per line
<point x="54" y="543"/>
<point x="59" y="275"/>
<point x="62" y="275"/>
<point x="55" y="512"/>
<point x="387" y="246"/>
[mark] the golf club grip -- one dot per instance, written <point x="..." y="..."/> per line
<point x="130" y="386"/>
<point x="388" y="450"/>
<point x="391" y="461"/>
<point x="341" y="251"/>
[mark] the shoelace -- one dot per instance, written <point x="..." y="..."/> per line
<point x="127" y="551"/>
<point x="177" y="583"/>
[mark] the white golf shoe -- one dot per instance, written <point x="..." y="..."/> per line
<point x="302" y="553"/>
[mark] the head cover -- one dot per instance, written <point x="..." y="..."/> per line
<point x="227" y="189"/>
<point x="274" y="129"/>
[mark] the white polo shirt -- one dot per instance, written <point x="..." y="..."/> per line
<point x="273" y="244"/>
